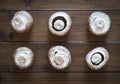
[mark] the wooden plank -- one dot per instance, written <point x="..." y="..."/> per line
<point x="60" y="78"/>
<point x="79" y="41"/>
<point x="78" y="32"/>
<point x="41" y="63"/>
<point x="60" y="5"/>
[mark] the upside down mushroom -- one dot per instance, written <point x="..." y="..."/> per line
<point x="97" y="58"/>
<point x="60" y="23"/>
<point x="59" y="57"/>
<point x="23" y="57"/>
<point x="99" y="23"/>
<point x="21" y="21"/>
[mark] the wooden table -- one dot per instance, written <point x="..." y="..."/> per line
<point x="79" y="41"/>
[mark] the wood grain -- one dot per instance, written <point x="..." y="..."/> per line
<point x="39" y="32"/>
<point x="41" y="63"/>
<point x="79" y="41"/>
<point x="59" y="5"/>
<point x="58" y="78"/>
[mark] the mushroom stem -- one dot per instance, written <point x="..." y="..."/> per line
<point x="96" y="58"/>
<point x="59" y="60"/>
<point x="59" y="24"/>
<point x="22" y="59"/>
<point x="99" y="23"/>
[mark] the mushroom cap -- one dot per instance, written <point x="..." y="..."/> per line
<point x="99" y="23"/>
<point x="23" y="57"/>
<point x="21" y="21"/>
<point x="59" y="57"/>
<point x="59" y="27"/>
<point x="97" y="58"/>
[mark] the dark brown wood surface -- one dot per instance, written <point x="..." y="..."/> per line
<point x="79" y="41"/>
<point x="60" y="5"/>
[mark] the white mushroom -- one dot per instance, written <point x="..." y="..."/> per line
<point x="23" y="57"/>
<point x="21" y="21"/>
<point x="97" y="58"/>
<point x="59" y="23"/>
<point x="59" y="57"/>
<point x="99" y="23"/>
